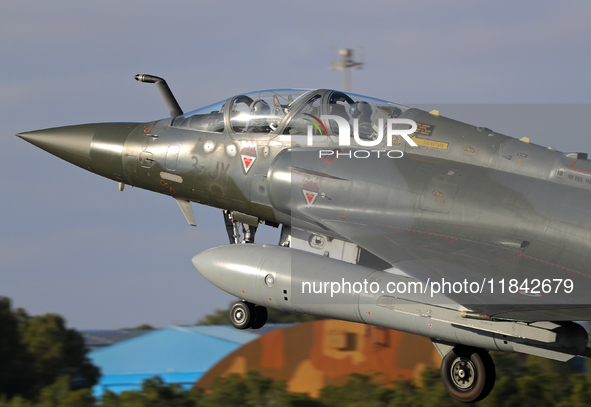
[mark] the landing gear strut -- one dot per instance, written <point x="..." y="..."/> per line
<point x="244" y="315"/>
<point x="468" y="374"/>
<point x="233" y="230"/>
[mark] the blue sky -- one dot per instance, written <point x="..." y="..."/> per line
<point x="71" y="243"/>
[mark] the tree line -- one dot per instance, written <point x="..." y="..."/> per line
<point x="44" y="364"/>
<point x="522" y="381"/>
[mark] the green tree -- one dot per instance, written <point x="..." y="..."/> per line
<point x="432" y="391"/>
<point x="60" y="394"/>
<point x="54" y="351"/>
<point x="142" y="327"/>
<point x="154" y="393"/>
<point x="35" y="351"/>
<point x="157" y="393"/>
<point x="406" y="394"/>
<point x="253" y="390"/>
<point x="226" y="391"/>
<point x="13" y="358"/>
<point x="360" y="390"/>
<point x="110" y="399"/>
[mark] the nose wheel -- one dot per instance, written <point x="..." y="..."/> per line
<point x="468" y="374"/>
<point x="244" y="315"/>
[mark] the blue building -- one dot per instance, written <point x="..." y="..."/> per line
<point x="176" y="354"/>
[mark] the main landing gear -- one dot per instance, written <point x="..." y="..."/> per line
<point x="244" y="315"/>
<point x="468" y="374"/>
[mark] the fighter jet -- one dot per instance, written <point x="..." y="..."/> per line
<point x="390" y="216"/>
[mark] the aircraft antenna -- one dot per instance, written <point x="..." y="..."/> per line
<point x="345" y="64"/>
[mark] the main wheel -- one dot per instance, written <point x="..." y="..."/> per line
<point x="241" y="315"/>
<point x="260" y="317"/>
<point x="468" y="374"/>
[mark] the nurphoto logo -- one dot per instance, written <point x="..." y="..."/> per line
<point x="345" y="131"/>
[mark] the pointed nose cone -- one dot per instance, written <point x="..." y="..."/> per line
<point x="228" y="267"/>
<point x="71" y="143"/>
<point x="208" y="264"/>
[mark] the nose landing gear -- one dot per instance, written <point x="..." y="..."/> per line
<point x="468" y="374"/>
<point x="233" y="229"/>
<point x="244" y="315"/>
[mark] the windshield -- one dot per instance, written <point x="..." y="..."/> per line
<point x="362" y="113"/>
<point x="366" y="117"/>
<point x="208" y="118"/>
<point x="261" y="111"/>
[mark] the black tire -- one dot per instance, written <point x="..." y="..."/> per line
<point x="260" y="317"/>
<point x="241" y="315"/>
<point x="468" y="374"/>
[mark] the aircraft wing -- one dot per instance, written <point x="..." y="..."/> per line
<point x="433" y="259"/>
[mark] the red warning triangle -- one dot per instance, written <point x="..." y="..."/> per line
<point x="247" y="162"/>
<point x="310" y="197"/>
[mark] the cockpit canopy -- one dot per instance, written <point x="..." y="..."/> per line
<point x="289" y="112"/>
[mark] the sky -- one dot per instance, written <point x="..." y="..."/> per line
<point x="71" y="243"/>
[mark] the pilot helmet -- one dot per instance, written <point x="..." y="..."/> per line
<point x="260" y="108"/>
<point x="360" y="109"/>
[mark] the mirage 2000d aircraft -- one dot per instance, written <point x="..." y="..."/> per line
<point x="390" y="216"/>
